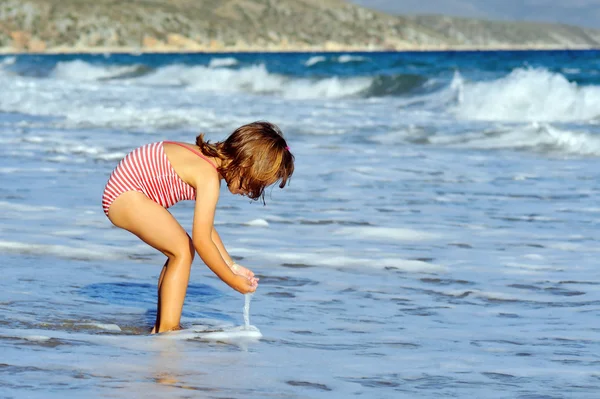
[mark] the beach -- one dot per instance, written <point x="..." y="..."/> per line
<point x="439" y="237"/>
<point x="220" y="48"/>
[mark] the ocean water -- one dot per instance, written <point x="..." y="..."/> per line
<point x="439" y="239"/>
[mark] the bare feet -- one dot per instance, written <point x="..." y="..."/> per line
<point x="169" y="330"/>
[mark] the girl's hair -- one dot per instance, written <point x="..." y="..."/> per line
<point x="256" y="154"/>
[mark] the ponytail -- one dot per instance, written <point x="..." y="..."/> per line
<point x="207" y="148"/>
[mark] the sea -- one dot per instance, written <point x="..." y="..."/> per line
<point x="440" y="237"/>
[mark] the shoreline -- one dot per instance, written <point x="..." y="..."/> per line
<point x="317" y="50"/>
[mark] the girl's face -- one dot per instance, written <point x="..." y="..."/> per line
<point x="235" y="188"/>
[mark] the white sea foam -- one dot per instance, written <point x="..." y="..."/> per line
<point x="325" y="88"/>
<point x="104" y="326"/>
<point x="75" y="148"/>
<point x="257" y="223"/>
<point x="87" y="252"/>
<point x="86" y="111"/>
<point x="585" y="209"/>
<point x="571" y="247"/>
<point x="138" y="343"/>
<point x="111" y="156"/>
<point x="252" y="79"/>
<point x="56" y="98"/>
<point x="8" y="61"/>
<point x="536" y="137"/>
<point x="315" y="60"/>
<point x="67" y="147"/>
<point x="234" y="334"/>
<point x="37" y="338"/>
<point x="4" y="63"/>
<point x="410" y="265"/>
<point x="132" y="116"/>
<point x="531" y="94"/>
<point x="237" y="334"/>
<point x="386" y="233"/>
<point x="499" y="296"/>
<point x="222" y="62"/>
<point x="345" y="58"/>
<point x="380" y="261"/>
<point x="84" y="71"/>
<point x="69" y="233"/>
<point x="11" y="206"/>
<point x="524" y="176"/>
<point x="335" y="288"/>
<point x="530" y="267"/>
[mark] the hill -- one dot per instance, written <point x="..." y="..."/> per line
<point x="257" y="25"/>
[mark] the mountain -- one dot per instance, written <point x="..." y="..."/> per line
<point x="584" y="13"/>
<point x="257" y="25"/>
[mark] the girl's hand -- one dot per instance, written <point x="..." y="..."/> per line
<point x="243" y="284"/>
<point x="242" y="271"/>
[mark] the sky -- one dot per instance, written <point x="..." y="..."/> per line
<point x="584" y="13"/>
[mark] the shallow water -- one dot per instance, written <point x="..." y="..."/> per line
<point x="439" y="237"/>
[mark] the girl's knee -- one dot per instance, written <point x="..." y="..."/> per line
<point x="176" y="258"/>
<point x="182" y="254"/>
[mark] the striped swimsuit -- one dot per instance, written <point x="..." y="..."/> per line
<point x="148" y="170"/>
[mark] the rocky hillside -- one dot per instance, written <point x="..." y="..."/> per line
<point x="500" y="33"/>
<point x="238" y="25"/>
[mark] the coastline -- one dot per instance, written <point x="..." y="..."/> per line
<point x="203" y="26"/>
<point x="285" y="49"/>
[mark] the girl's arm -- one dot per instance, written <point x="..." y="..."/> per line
<point x="217" y="240"/>
<point x="236" y="268"/>
<point x="204" y="213"/>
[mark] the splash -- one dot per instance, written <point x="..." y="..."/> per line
<point x="247" y="299"/>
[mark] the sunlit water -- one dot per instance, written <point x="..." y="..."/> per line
<point x="440" y="237"/>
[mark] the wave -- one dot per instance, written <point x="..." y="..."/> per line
<point x="526" y="95"/>
<point x="315" y="60"/>
<point x="7" y="60"/>
<point x="252" y="79"/>
<point x="222" y="62"/>
<point x="394" y="85"/>
<point x="5" y="65"/>
<point x="341" y="59"/>
<point x="87" y="252"/>
<point x="83" y="71"/>
<point x="539" y="138"/>
<point x="346" y="58"/>
<point x="534" y="137"/>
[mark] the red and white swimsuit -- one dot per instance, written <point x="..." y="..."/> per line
<point x="148" y="170"/>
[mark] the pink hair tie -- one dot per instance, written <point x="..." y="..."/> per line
<point x="287" y="147"/>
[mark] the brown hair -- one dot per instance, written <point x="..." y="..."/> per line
<point x="256" y="154"/>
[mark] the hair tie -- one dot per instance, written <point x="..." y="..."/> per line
<point x="287" y="147"/>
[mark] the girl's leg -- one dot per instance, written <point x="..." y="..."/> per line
<point x="154" y="225"/>
<point x="160" y="279"/>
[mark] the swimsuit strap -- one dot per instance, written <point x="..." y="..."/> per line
<point x="194" y="151"/>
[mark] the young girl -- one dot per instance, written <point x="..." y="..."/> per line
<point x="156" y="176"/>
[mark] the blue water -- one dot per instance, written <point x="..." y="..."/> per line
<point x="439" y="238"/>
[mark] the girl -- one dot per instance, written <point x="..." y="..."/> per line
<point x="156" y="176"/>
